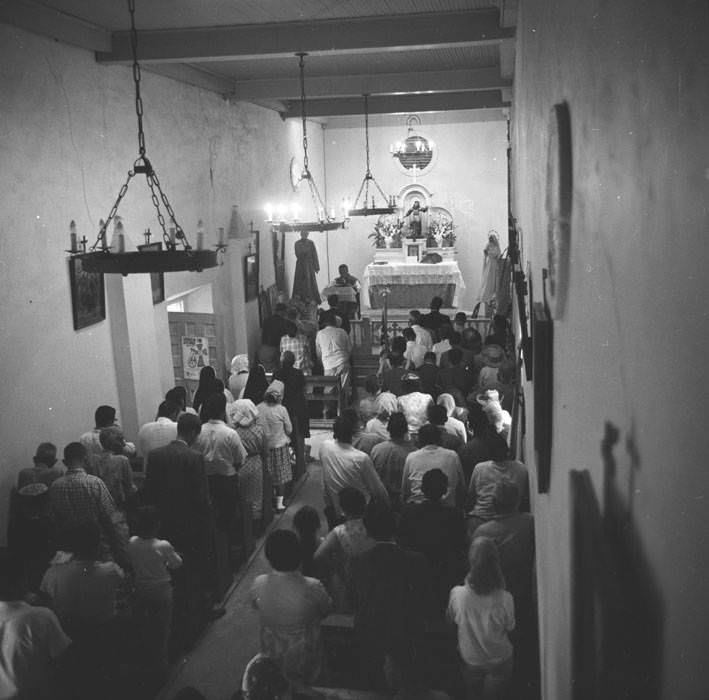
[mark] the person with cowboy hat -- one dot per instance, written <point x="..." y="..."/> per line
<point x="493" y="356"/>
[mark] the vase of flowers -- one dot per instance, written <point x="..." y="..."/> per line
<point x="387" y="234"/>
<point x="441" y="230"/>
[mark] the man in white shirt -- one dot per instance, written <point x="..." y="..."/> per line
<point x="104" y="417"/>
<point x="33" y="641"/>
<point x="415" y="351"/>
<point x="224" y="454"/>
<point x="432" y="456"/>
<point x="160" y="432"/>
<point x="342" y="466"/>
<point x="423" y="335"/>
<point x="333" y="348"/>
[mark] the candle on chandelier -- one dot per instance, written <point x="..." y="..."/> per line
<point x="200" y="235"/>
<point x="221" y="236"/>
<point x="72" y="236"/>
<point x="172" y="236"/>
<point x="269" y="212"/>
<point x="102" y="233"/>
<point x="294" y="212"/>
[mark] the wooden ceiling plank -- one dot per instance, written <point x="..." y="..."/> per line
<point x="360" y="34"/>
<point x="507" y="58"/>
<point x="193" y="76"/>
<point x="373" y="84"/>
<point x="388" y="104"/>
<point x="46" y="21"/>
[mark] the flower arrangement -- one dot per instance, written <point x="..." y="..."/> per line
<point x="441" y="229"/>
<point x="387" y="233"/>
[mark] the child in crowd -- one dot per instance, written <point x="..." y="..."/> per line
<point x="152" y="559"/>
<point x="483" y="612"/>
<point x="307" y="524"/>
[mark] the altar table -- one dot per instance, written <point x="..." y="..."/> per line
<point x="412" y="285"/>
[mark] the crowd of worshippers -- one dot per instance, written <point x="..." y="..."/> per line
<point x="116" y="548"/>
<point x="434" y="566"/>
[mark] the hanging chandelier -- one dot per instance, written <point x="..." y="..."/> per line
<point x="325" y="220"/>
<point x="390" y="201"/>
<point x="415" y="152"/>
<point x="178" y="254"/>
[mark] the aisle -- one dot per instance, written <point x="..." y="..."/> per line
<point x="215" y="665"/>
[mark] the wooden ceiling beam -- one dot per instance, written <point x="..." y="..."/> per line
<point x="46" y="21"/>
<point x="403" y="104"/>
<point x="372" y="84"/>
<point x="193" y="76"/>
<point x="355" y="35"/>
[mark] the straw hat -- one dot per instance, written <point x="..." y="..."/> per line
<point x="493" y="355"/>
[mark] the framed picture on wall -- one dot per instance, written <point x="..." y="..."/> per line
<point x="543" y="362"/>
<point x="157" y="279"/>
<point x="88" y="298"/>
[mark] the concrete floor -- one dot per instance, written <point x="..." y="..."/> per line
<point x="215" y="665"/>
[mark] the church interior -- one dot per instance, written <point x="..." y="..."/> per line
<point x="572" y="131"/>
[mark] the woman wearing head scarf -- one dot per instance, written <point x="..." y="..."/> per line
<point x="277" y="428"/>
<point x="207" y="386"/>
<point x="243" y="414"/>
<point x="453" y="424"/>
<point x="239" y="375"/>
<point x="256" y="385"/>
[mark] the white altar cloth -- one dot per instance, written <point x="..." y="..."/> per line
<point x="416" y="274"/>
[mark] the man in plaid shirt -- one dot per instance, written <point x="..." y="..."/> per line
<point x="299" y="345"/>
<point x="78" y="497"/>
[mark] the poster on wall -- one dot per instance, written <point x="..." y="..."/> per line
<point x="195" y="355"/>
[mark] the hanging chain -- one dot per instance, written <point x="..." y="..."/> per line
<point x="366" y="132"/>
<point x="136" y="78"/>
<point x="302" y="111"/>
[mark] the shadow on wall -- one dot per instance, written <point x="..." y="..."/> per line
<point x="617" y="609"/>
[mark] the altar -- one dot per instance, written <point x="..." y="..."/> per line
<point x="412" y="284"/>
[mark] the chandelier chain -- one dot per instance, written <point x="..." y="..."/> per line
<point x="302" y="111"/>
<point x="136" y="77"/>
<point x="121" y="193"/>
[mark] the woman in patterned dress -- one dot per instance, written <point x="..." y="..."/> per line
<point x="244" y="416"/>
<point x="277" y="428"/>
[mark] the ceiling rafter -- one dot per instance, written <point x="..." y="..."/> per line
<point x="358" y="34"/>
<point x="386" y="104"/>
<point x="468" y="79"/>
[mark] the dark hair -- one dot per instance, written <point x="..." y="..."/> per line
<point x="396" y="359"/>
<point x="499" y="322"/>
<point x="379" y="521"/>
<point x="371" y="384"/>
<point x="456" y="338"/>
<point x="352" y="501"/>
<point x="398" y="344"/>
<point x="292" y="315"/>
<point x="485" y="575"/>
<point x="188" y="423"/>
<point x="329" y="318"/>
<point x="74" y="452"/>
<point x="436" y="303"/>
<point x="168" y="409"/>
<point x="178" y="395"/>
<point x="288" y="359"/>
<point x="434" y="484"/>
<point x="291" y="329"/>
<point x="430" y="356"/>
<point x="397" y="426"/>
<point x="256" y="384"/>
<point x="445" y="331"/>
<point x="214" y="407"/>
<point x="342" y="429"/>
<point x="455" y="355"/>
<point x="460" y="317"/>
<point x="343" y="267"/>
<point x="333" y="299"/>
<point x="499" y="450"/>
<point x="207" y="375"/>
<point x="218" y="386"/>
<point x="280" y="307"/>
<point x="353" y="417"/>
<point x="46" y="454"/>
<point x="283" y="550"/>
<point x="104" y="416"/>
<point x="82" y="540"/>
<point x="11" y="577"/>
<point x="506" y="497"/>
<point x="415" y="315"/>
<point x="429" y="435"/>
<point x="148" y="522"/>
<point x="436" y="414"/>
<point x="111" y="439"/>
<point x="408" y="334"/>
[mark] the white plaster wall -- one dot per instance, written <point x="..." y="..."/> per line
<point x="469" y="178"/>
<point x="630" y="348"/>
<point x="67" y="139"/>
